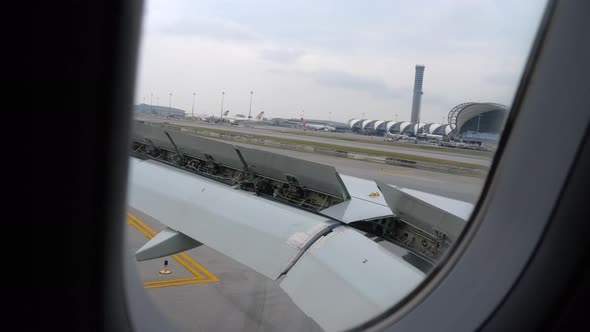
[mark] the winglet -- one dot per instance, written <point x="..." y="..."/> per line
<point x="167" y="242"/>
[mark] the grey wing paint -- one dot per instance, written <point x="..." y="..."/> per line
<point x="310" y="234"/>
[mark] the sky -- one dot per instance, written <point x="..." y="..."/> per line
<point x="333" y="59"/>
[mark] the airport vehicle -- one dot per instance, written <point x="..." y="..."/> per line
<point x="398" y="137"/>
<point x="521" y="264"/>
<point x="431" y="137"/>
<point x="460" y="145"/>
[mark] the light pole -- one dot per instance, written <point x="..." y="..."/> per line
<point x="170" y="105"/>
<point x="478" y="119"/>
<point x="152" y="100"/>
<point x="363" y="115"/>
<point x="396" y="117"/>
<point x="193" y="109"/>
<point x="222" y="95"/>
<point x="250" y="110"/>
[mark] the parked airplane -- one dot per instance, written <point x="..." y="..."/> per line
<point x="234" y="120"/>
<point x="215" y="119"/>
<point x="199" y="117"/>
<point x="316" y="126"/>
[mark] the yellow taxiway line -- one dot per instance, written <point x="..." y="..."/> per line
<point x="180" y="283"/>
<point x="198" y="277"/>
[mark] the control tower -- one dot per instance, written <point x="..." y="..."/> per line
<point x="417" y="93"/>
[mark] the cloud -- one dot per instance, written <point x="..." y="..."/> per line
<point x="343" y="80"/>
<point x="502" y="79"/>
<point x="285" y="56"/>
<point x="337" y="55"/>
<point x="213" y="28"/>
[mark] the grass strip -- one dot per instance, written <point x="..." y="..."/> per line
<point x="203" y="132"/>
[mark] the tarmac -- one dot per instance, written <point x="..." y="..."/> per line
<point x="207" y="291"/>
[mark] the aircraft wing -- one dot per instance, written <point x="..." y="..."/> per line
<point x="297" y="222"/>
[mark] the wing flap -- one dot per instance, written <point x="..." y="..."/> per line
<point x="356" y="210"/>
<point x="366" y="202"/>
<point x="420" y="213"/>
<point x="322" y="178"/>
<point x="345" y="279"/>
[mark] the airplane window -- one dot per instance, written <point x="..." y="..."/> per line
<point x="304" y="165"/>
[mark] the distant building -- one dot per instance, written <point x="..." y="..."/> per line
<point x="478" y="122"/>
<point x="159" y="110"/>
<point x="474" y="122"/>
<point x="417" y="98"/>
<point x="382" y="127"/>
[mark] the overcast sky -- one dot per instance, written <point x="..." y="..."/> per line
<point x="335" y="59"/>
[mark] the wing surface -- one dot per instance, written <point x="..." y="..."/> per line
<point x="294" y="221"/>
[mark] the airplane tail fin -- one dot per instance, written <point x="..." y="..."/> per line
<point x="226" y="113"/>
<point x="259" y="116"/>
<point x="303" y="121"/>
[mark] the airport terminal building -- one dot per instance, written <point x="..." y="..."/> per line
<point x="159" y="110"/>
<point x="476" y="122"/>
